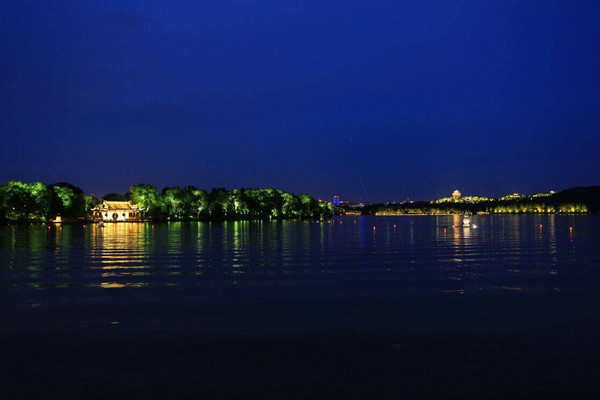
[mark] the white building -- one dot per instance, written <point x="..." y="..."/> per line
<point x="117" y="211"/>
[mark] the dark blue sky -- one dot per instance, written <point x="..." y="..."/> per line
<point x="377" y="100"/>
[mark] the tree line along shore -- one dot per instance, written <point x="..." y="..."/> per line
<point x="38" y="202"/>
<point x="579" y="200"/>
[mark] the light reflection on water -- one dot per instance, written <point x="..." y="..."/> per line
<point x="423" y="253"/>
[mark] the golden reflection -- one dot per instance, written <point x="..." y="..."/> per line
<point x="462" y="240"/>
<point x="119" y="249"/>
<point x="456" y="220"/>
<point x="117" y="267"/>
<point x="116" y="285"/>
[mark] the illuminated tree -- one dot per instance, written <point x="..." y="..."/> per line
<point x="89" y="203"/>
<point x="24" y="201"/>
<point x="292" y="207"/>
<point x="236" y="206"/>
<point x="217" y="203"/>
<point x="200" y="202"/>
<point x="274" y="202"/>
<point x="67" y="200"/>
<point x="42" y="198"/>
<point x="193" y="202"/>
<point x="146" y="196"/>
<point x="309" y="206"/>
<point x="171" y="201"/>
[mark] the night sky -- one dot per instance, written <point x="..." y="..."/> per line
<point x="372" y="100"/>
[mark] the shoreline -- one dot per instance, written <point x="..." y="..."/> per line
<point x="475" y="214"/>
<point x="49" y="223"/>
<point x="92" y="222"/>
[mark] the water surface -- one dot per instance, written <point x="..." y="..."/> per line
<point x="345" y="257"/>
<point x="357" y="305"/>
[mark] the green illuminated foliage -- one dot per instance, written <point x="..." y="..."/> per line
<point x="291" y="207"/>
<point x="65" y="195"/>
<point x="25" y="201"/>
<point x="67" y="201"/>
<point x="171" y="203"/>
<point x="36" y="201"/>
<point x="174" y="203"/>
<point x="146" y="196"/>
<point x="89" y="203"/>
<point x="199" y="204"/>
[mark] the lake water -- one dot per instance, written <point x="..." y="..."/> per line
<point x="346" y="257"/>
<point x="294" y="309"/>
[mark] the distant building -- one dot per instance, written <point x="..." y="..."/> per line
<point x="336" y="200"/>
<point x="117" y="211"/>
<point x="514" y="196"/>
<point x="456" y="195"/>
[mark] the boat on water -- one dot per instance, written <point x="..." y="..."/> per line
<point x="466" y="220"/>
